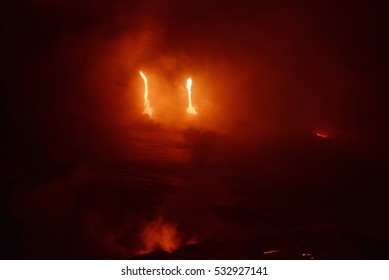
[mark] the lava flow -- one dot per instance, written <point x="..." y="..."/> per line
<point x="190" y="110"/>
<point x="148" y="110"/>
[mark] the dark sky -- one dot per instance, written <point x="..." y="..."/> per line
<point x="70" y="87"/>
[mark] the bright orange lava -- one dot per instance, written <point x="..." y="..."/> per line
<point x="190" y="110"/>
<point x="148" y="110"/>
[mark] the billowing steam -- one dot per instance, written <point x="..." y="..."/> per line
<point x="159" y="235"/>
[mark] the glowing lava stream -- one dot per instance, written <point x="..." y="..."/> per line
<point x="148" y="110"/>
<point x="190" y="109"/>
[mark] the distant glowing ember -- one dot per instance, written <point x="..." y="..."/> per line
<point x="271" y="252"/>
<point x="148" y="110"/>
<point x="190" y="110"/>
<point x="308" y="255"/>
<point x="322" y="135"/>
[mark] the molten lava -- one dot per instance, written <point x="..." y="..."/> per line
<point x="190" y="109"/>
<point x="322" y="135"/>
<point x="159" y="235"/>
<point x="148" y="110"/>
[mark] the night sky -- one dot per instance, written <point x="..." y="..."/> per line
<point x="84" y="175"/>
